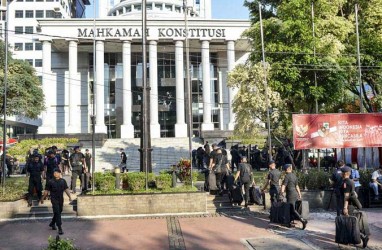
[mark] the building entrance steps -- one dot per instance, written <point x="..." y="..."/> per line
<point x="166" y="152"/>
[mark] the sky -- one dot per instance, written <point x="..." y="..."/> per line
<point x="221" y="9"/>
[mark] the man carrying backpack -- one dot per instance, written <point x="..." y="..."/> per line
<point x="78" y="166"/>
<point x="50" y="163"/>
<point x="246" y="178"/>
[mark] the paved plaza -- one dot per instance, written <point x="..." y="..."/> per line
<point x="238" y="230"/>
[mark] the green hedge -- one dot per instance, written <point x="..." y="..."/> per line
<point x="21" y="149"/>
<point x="104" y="182"/>
<point x="15" y="188"/>
<point x="163" y="181"/>
<point x="136" y="180"/>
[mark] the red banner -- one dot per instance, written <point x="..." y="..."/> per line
<point x="315" y="131"/>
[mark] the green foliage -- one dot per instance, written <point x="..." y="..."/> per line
<point x="163" y="181"/>
<point x="61" y="244"/>
<point x="24" y="93"/>
<point x="104" y="182"/>
<point x="136" y="180"/>
<point x="15" y="189"/>
<point x="365" y="177"/>
<point x="313" y="180"/>
<point x="21" y="149"/>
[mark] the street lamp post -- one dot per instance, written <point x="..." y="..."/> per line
<point x="5" y="91"/>
<point x="265" y="85"/>
<point x="93" y="115"/>
<point x="188" y="85"/>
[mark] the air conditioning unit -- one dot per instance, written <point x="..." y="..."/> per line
<point x="56" y="9"/>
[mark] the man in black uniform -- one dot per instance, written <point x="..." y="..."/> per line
<point x="246" y="177"/>
<point x="56" y="186"/>
<point x="273" y="180"/>
<point x="123" y="160"/>
<point x="336" y="181"/>
<point x="346" y="189"/>
<point x="88" y="160"/>
<point x="50" y="164"/>
<point x="34" y="169"/>
<point x="65" y="161"/>
<point x="292" y="190"/>
<point x="78" y="166"/>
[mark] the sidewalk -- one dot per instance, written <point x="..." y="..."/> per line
<point x="242" y="230"/>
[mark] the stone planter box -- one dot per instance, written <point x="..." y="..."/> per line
<point x="9" y="208"/>
<point x="139" y="204"/>
<point x="316" y="199"/>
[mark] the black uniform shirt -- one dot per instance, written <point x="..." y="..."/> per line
<point x="57" y="188"/>
<point x="347" y="186"/>
<point x="290" y="182"/>
<point x="274" y="177"/>
<point x="35" y="168"/>
<point x="337" y="179"/>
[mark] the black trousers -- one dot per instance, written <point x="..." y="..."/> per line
<point x="339" y="203"/>
<point x="35" y="182"/>
<point x="75" y="174"/>
<point x="246" y="185"/>
<point x="57" y="206"/>
<point x="274" y="193"/>
<point x="219" y="178"/>
<point x="291" y="199"/>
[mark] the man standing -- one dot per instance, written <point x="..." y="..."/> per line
<point x="376" y="180"/>
<point x="88" y="160"/>
<point x="246" y="178"/>
<point x="78" y="166"/>
<point x="336" y="181"/>
<point x="56" y="186"/>
<point x="34" y="169"/>
<point x="273" y="180"/>
<point x="65" y="161"/>
<point x="292" y="190"/>
<point x="50" y="163"/>
<point x="123" y="160"/>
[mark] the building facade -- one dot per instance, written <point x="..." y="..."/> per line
<point x="86" y="61"/>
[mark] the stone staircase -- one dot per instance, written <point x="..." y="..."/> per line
<point x="166" y="152"/>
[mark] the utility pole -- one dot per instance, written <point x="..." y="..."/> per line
<point x="93" y="116"/>
<point x="265" y="85"/>
<point x="5" y="92"/>
<point x="188" y="86"/>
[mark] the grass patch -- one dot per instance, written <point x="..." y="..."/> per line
<point x="15" y="188"/>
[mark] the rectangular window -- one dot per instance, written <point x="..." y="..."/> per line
<point x="19" y="14"/>
<point x="29" y="14"/>
<point x="38" y="62"/>
<point x="49" y="14"/>
<point x="28" y="46"/>
<point x="19" y="46"/>
<point x="28" y="0"/>
<point x="38" y="46"/>
<point x="19" y="30"/>
<point x="30" y="61"/>
<point x="28" y="29"/>
<point x="39" y="14"/>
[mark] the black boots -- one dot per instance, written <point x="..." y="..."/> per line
<point x="304" y="222"/>
<point x="365" y="240"/>
<point x="52" y="225"/>
<point x="60" y="230"/>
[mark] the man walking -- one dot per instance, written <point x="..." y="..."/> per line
<point x="50" y="163"/>
<point x="78" y="166"/>
<point x="336" y="181"/>
<point x="34" y="169"/>
<point x="88" y="160"/>
<point x="273" y="180"/>
<point x="56" y="186"/>
<point x="123" y="157"/>
<point x="246" y="178"/>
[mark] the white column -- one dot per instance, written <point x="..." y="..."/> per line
<point x="100" y="85"/>
<point x="232" y="91"/>
<point x="180" y="126"/>
<point x="127" y="128"/>
<point x="207" y="124"/>
<point x="74" y="94"/>
<point x="153" y="60"/>
<point x="46" y="126"/>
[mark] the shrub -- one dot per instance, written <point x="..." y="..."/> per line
<point x="60" y="244"/>
<point x="137" y="180"/>
<point x="317" y="180"/>
<point x="21" y="149"/>
<point x="104" y="182"/>
<point x="15" y="188"/>
<point x="163" y="181"/>
<point x="365" y="177"/>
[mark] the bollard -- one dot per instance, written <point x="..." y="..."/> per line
<point x="117" y="172"/>
<point x="173" y="178"/>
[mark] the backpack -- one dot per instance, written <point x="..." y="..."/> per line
<point x="245" y="176"/>
<point x="76" y="160"/>
<point x="51" y="164"/>
<point x="218" y="166"/>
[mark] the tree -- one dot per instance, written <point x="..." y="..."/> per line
<point x="289" y="46"/>
<point x="24" y="93"/>
<point x="250" y="102"/>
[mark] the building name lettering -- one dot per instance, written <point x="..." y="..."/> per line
<point x="162" y="32"/>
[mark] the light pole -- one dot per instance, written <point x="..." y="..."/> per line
<point x="93" y="115"/>
<point x="359" y="61"/>
<point x="265" y="85"/>
<point x="5" y="91"/>
<point x="188" y="85"/>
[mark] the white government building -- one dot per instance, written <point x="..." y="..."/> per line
<point x="61" y="49"/>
